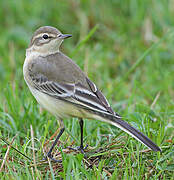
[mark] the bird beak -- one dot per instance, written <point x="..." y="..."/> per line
<point x="65" y="36"/>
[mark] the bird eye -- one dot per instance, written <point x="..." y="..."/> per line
<point x="45" y="36"/>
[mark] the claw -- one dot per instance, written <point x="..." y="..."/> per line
<point x="78" y="148"/>
<point x="51" y="158"/>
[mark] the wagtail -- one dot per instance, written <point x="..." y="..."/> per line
<point x="62" y="88"/>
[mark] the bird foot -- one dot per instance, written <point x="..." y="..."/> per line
<point x="51" y="158"/>
<point x="79" y="148"/>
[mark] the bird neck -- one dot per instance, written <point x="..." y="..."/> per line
<point x="30" y="52"/>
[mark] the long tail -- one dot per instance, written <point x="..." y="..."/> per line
<point x="118" y="122"/>
<point x="123" y="125"/>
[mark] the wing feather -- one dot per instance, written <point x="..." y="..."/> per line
<point x="100" y="96"/>
<point x="75" y="92"/>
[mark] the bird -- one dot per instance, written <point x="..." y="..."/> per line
<point x="63" y="89"/>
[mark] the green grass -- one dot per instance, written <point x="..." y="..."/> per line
<point x="126" y="47"/>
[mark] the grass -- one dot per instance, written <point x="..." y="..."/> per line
<point x="126" y="47"/>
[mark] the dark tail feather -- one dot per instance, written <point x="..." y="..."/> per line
<point x="118" y="122"/>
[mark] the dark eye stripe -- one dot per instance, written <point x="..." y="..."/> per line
<point x="39" y="40"/>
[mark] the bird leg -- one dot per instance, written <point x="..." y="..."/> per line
<point x="80" y="148"/>
<point x="49" y="155"/>
<point x="81" y="138"/>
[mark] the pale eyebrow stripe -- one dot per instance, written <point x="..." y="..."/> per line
<point x="40" y="35"/>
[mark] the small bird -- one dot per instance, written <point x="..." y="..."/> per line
<point x="62" y="88"/>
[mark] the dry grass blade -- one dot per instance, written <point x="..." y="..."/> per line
<point x="15" y="148"/>
<point x="7" y="153"/>
<point x="34" y="157"/>
<point x="155" y="100"/>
